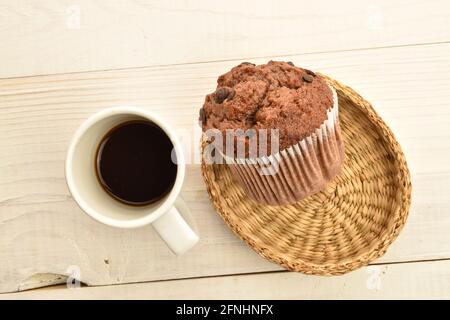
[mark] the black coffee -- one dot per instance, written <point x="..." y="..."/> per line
<point x="134" y="164"/>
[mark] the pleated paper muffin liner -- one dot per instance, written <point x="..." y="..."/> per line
<point x="295" y="172"/>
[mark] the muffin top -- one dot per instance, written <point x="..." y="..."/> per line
<point x="276" y="95"/>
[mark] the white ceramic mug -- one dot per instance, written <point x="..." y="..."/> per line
<point x="93" y="199"/>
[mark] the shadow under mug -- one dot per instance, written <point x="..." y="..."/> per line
<point x="92" y="198"/>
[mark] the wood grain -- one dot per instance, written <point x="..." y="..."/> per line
<point x="43" y="231"/>
<point x="422" y="280"/>
<point x="60" y="36"/>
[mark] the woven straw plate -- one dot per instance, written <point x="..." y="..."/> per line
<point x="346" y="226"/>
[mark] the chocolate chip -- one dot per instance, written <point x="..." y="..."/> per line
<point x="248" y="63"/>
<point x="290" y="63"/>
<point x="310" y="72"/>
<point x="308" y="78"/>
<point x="251" y="118"/>
<point x="202" y="116"/>
<point x="221" y="94"/>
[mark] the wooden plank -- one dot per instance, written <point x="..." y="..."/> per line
<point x="55" y="36"/>
<point x="419" y="280"/>
<point x="43" y="231"/>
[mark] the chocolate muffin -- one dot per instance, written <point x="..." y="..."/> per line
<point x="286" y="119"/>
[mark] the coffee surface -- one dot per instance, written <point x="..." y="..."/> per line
<point x="134" y="164"/>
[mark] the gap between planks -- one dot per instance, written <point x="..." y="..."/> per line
<point x="279" y="56"/>
<point x="418" y="280"/>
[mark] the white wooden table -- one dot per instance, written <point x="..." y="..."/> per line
<point x="60" y="61"/>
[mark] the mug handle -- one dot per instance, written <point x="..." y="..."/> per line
<point x="175" y="231"/>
